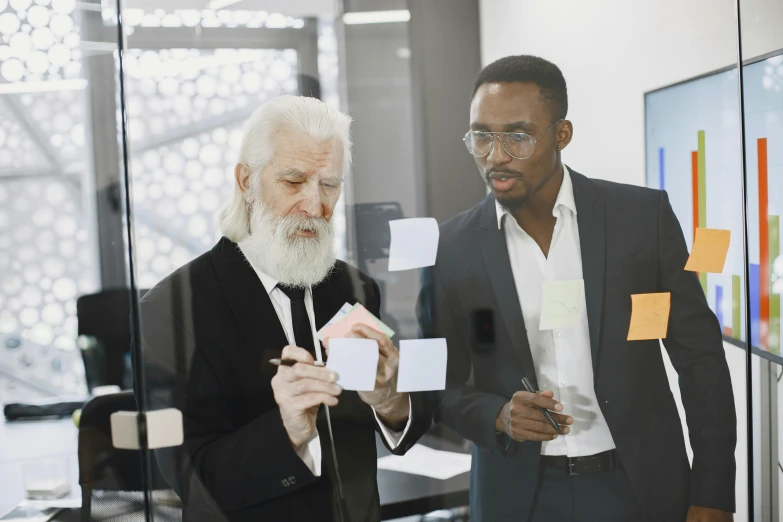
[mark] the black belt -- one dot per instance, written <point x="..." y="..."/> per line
<point x="598" y="463"/>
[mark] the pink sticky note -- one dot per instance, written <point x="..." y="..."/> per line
<point x="359" y="315"/>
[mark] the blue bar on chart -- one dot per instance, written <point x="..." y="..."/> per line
<point x="660" y="168"/>
<point x="755" y="306"/>
<point x="719" y="305"/>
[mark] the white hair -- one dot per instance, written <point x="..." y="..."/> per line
<point x="298" y="113"/>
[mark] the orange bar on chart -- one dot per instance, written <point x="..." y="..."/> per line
<point x="709" y="250"/>
<point x="649" y="316"/>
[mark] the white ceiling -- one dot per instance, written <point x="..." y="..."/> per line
<point x="297" y="8"/>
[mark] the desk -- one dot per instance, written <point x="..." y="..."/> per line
<point x="401" y="494"/>
<point x="23" y="442"/>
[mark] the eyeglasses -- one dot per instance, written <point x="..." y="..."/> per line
<point x="518" y="145"/>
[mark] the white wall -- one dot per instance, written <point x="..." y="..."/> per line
<point x="611" y="52"/>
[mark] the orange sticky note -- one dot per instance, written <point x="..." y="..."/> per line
<point x="709" y="250"/>
<point x="649" y="316"/>
<point x="359" y="315"/>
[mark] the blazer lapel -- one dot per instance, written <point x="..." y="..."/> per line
<point x="590" y="215"/>
<point x="326" y="301"/>
<point x="249" y="302"/>
<point x="498" y="268"/>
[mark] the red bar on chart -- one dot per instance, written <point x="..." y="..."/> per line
<point x="764" y="275"/>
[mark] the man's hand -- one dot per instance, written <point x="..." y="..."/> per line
<point x="703" y="514"/>
<point x="521" y="419"/>
<point x="392" y="408"/>
<point x="299" y="390"/>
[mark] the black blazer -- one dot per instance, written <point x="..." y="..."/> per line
<point x="631" y="242"/>
<point x="208" y="331"/>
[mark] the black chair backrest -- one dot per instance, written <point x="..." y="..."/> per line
<point x="105" y="316"/>
<point x="101" y="465"/>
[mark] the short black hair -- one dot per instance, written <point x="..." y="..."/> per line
<point x="526" y="68"/>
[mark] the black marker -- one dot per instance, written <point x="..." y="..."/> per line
<point x="529" y="388"/>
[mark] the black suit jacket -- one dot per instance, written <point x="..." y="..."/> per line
<point x="631" y="243"/>
<point x="208" y="331"/>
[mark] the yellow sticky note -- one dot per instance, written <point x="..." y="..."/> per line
<point x="649" y="316"/>
<point x="709" y="250"/>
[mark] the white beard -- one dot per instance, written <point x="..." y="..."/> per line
<point x="274" y="248"/>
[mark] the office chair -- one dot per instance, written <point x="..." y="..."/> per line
<point x="105" y="337"/>
<point x="111" y="480"/>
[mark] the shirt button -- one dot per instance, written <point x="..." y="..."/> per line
<point x="285" y="483"/>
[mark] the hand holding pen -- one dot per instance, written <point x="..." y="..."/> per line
<point x="533" y="416"/>
<point x="300" y="386"/>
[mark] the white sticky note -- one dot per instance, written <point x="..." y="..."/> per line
<point x="561" y="302"/>
<point x="422" y="365"/>
<point x="164" y="429"/>
<point x="124" y="430"/>
<point x="355" y="361"/>
<point x="414" y="243"/>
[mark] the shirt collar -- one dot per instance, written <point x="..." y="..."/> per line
<point x="565" y="198"/>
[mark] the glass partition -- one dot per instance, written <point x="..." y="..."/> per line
<point x="762" y="57"/>
<point x="65" y="304"/>
<point x="482" y="216"/>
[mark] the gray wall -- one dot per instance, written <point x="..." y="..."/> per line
<point x="408" y="90"/>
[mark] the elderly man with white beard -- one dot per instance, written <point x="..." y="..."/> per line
<point x="257" y="445"/>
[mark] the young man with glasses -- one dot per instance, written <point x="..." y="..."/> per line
<point x="614" y="450"/>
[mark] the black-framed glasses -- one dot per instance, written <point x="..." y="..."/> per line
<point x="518" y="145"/>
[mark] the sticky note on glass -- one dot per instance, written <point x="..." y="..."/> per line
<point x="649" y="316"/>
<point x="561" y="302"/>
<point x="357" y="315"/>
<point x="709" y="250"/>
<point x="414" y="243"/>
<point x="422" y="365"/>
<point x="355" y="361"/>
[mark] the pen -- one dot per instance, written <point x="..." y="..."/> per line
<point x="283" y="362"/>
<point x="290" y="362"/>
<point x="529" y="388"/>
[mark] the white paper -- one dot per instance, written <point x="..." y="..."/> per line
<point x="561" y="302"/>
<point x="421" y="460"/>
<point x="414" y="243"/>
<point x="422" y="365"/>
<point x="355" y="361"/>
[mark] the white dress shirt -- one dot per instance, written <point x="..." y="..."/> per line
<point x="310" y="453"/>
<point x="562" y="357"/>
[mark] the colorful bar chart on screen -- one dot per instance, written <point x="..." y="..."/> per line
<point x="765" y="302"/>
<point x="687" y="128"/>
<point x="764" y="148"/>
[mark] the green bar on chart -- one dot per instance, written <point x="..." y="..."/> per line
<point x="736" y="309"/>
<point x="774" y="299"/>
<point x="702" y="195"/>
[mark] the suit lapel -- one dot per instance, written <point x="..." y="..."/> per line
<point x="590" y="214"/>
<point x="249" y="302"/>
<point x="498" y="269"/>
<point x="326" y="301"/>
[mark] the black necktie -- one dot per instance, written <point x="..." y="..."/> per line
<point x="303" y="334"/>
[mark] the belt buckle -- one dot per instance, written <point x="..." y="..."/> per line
<point x="584" y="465"/>
<point x="572" y="466"/>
